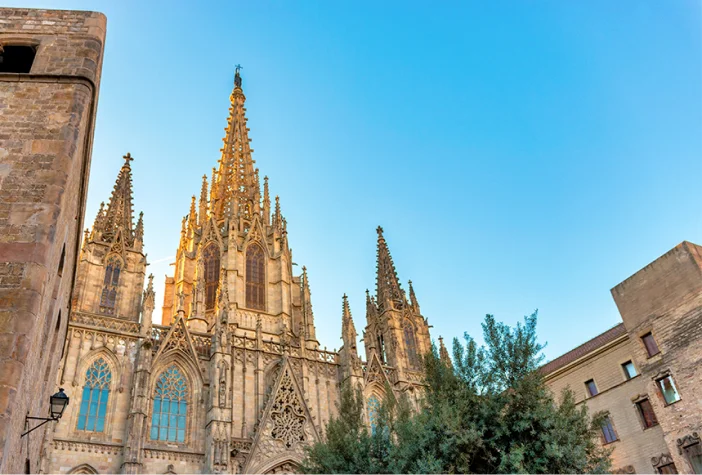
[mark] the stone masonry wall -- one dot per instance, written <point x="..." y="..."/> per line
<point x="46" y="128"/>
<point x="635" y="445"/>
<point x="665" y="298"/>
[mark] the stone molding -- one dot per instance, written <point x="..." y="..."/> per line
<point x="174" y="455"/>
<point x="101" y="448"/>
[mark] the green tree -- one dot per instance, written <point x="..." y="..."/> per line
<point x="490" y="412"/>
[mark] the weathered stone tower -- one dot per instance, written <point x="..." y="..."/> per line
<point x="50" y="63"/>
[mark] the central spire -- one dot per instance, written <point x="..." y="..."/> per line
<point x="387" y="285"/>
<point x="237" y="187"/>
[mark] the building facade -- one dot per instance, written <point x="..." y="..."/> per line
<point x="645" y="372"/>
<point x="234" y="381"/>
<point x="50" y="64"/>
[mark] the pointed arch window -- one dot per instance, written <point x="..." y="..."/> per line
<point x="373" y="408"/>
<point x="170" y="406"/>
<point x="212" y="264"/>
<point x="255" y="277"/>
<point x="411" y="345"/>
<point x="96" y="392"/>
<point x="110" y="284"/>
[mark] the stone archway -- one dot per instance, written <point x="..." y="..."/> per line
<point x="83" y="468"/>
<point x="288" y="466"/>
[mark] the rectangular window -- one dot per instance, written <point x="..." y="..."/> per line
<point x="694" y="456"/>
<point x="629" y="370"/>
<point x="670" y="468"/>
<point x="647" y="414"/>
<point x="608" y="434"/>
<point x="650" y="344"/>
<point x="16" y="59"/>
<point x="667" y="387"/>
<point x="591" y="387"/>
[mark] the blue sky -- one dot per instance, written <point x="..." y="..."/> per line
<point x="519" y="155"/>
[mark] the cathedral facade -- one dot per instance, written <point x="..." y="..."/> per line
<point x="234" y="380"/>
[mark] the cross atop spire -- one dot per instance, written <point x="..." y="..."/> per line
<point x="128" y="157"/>
<point x="237" y="76"/>
<point x="387" y="284"/>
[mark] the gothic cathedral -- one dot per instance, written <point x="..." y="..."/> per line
<point x="234" y="381"/>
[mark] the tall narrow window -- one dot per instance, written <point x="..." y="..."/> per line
<point x="629" y="370"/>
<point x="170" y="407"/>
<point x="591" y="387"/>
<point x="93" y="405"/>
<point x="255" y="277"/>
<point x="411" y="345"/>
<point x="110" y="283"/>
<point x="608" y="434"/>
<point x="668" y="390"/>
<point x="373" y="410"/>
<point x="647" y="415"/>
<point x="650" y="344"/>
<point x="381" y="349"/>
<point x="211" y="259"/>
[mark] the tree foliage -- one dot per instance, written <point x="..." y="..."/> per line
<point x="490" y="412"/>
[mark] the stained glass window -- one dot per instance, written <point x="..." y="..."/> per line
<point x="211" y="256"/>
<point x="93" y="405"/>
<point x="255" y="277"/>
<point x="373" y="410"/>
<point x="170" y="406"/>
<point x="411" y="346"/>
<point x="108" y="297"/>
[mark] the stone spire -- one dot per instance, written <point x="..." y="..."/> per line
<point x="192" y="215"/>
<point x="266" y="202"/>
<point x="443" y="353"/>
<point x="413" y="298"/>
<point x="119" y="209"/>
<point x="307" y="314"/>
<point x="237" y="186"/>
<point x="388" y="288"/>
<point x="139" y="233"/>
<point x="203" y="202"/>
<point x="348" y="330"/>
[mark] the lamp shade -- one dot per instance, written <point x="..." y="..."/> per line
<point x="59" y="401"/>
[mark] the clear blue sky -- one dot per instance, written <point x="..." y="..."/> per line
<point x="520" y="155"/>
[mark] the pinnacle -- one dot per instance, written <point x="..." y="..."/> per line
<point x="387" y="284"/>
<point x="118" y="213"/>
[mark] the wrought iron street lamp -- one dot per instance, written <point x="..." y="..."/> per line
<point x="58" y="403"/>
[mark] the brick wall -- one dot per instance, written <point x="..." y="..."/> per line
<point x="46" y="127"/>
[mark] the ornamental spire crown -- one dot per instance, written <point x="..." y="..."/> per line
<point x="237" y="186"/>
<point x="118" y="213"/>
<point x="388" y="288"/>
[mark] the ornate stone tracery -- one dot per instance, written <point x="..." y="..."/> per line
<point x="287" y="414"/>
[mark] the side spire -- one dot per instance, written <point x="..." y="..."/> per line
<point x="348" y="329"/>
<point x="203" y="202"/>
<point x="443" y="353"/>
<point x="237" y="182"/>
<point x="266" y="202"/>
<point x="119" y="209"/>
<point x="388" y="290"/>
